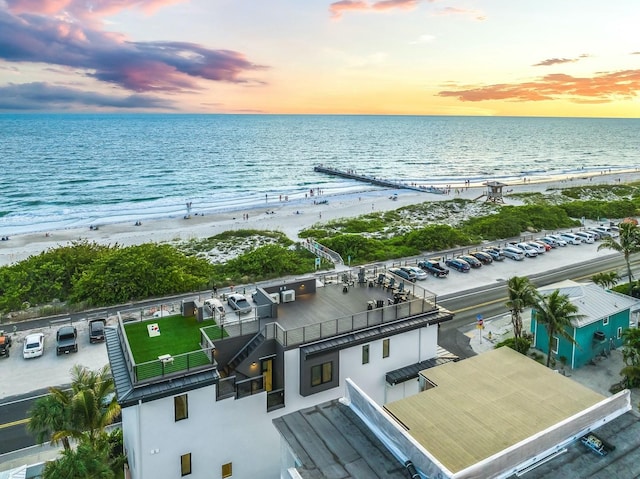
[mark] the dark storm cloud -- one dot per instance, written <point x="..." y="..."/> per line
<point x="136" y="66"/>
<point x="42" y="96"/>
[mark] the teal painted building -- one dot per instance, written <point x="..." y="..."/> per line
<point x="605" y="315"/>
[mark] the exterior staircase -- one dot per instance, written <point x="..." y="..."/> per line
<point x="244" y="353"/>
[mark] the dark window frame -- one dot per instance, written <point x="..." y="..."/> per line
<point x="177" y="406"/>
<point x="185" y="467"/>
<point x="321" y="374"/>
<point x="227" y="470"/>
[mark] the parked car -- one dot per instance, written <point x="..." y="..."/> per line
<point x="551" y="241"/>
<point x="33" y="346"/>
<point x="513" y="253"/>
<point x="417" y="273"/>
<point x="570" y="238"/>
<point x="585" y="236"/>
<point x="239" y="303"/>
<point x="606" y="231"/>
<point x="528" y="250"/>
<point x="596" y="235"/>
<point x="473" y="262"/>
<point x="546" y="246"/>
<point x="495" y="253"/>
<point x="66" y="340"/>
<point x="558" y="239"/>
<point x="434" y="267"/>
<point x="215" y="307"/>
<point x="403" y="274"/>
<point x="538" y="247"/>
<point x="483" y="257"/>
<point x="5" y="345"/>
<point x="96" y="330"/>
<point x="458" y="264"/>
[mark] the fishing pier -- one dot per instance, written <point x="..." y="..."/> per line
<point x="352" y="175"/>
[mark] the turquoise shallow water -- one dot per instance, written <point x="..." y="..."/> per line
<point x="68" y="170"/>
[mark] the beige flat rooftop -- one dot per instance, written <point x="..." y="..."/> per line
<point x="485" y="404"/>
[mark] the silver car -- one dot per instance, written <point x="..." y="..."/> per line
<point x="239" y="303"/>
<point x="571" y="238"/>
<point x="514" y="253"/>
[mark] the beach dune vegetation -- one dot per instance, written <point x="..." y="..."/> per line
<point x="512" y="221"/>
<point x="137" y="272"/>
<point x="436" y="237"/>
<point x="593" y="209"/>
<point x="266" y="262"/>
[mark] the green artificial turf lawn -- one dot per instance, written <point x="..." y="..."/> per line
<point x="178" y="335"/>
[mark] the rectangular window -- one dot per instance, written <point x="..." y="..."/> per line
<point x="605" y="321"/>
<point x="227" y="470"/>
<point x="321" y="374"/>
<point x="619" y="334"/>
<point x="185" y="464"/>
<point x="365" y="354"/>
<point x="385" y="348"/>
<point x="181" y="407"/>
<point x="554" y="345"/>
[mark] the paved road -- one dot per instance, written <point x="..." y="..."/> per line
<point x="13" y="429"/>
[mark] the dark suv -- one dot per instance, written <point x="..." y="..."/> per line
<point x="403" y="274"/>
<point x="66" y="340"/>
<point x="96" y="330"/>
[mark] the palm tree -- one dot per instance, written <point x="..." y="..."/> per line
<point x="48" y="416"/>
<point x="631" y="356"/>
<point x="606" y="280"/>
<point x="81" y="412"/>
<point x="521" y="293"/>
<point x="627" y="244"/>
<point x="84" y="462"/>
<point x="92" y="404"/>
<point x="555" y="312"/>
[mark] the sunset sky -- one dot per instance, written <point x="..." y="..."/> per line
<point x="429" y="57"/>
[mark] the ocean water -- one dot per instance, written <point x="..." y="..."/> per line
<point x="73" y="170"/>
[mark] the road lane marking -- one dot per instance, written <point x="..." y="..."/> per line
<point x="14" y="423"/>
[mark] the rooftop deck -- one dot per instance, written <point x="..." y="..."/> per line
<point x="331" y="306"/>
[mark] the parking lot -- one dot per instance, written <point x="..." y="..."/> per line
<point x="24" y="375"/>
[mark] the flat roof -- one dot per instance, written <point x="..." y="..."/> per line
<point x="482" y="405"/>
<point x="329" y="302"/>
<point x="331" y="441"/>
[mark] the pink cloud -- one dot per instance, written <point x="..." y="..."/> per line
<point x="601" y="88"/>
<point x="337" y="8"/>
<point x="109" y="57"/>
<point x="83" y="8"/>
<point x="476" y="14"/>
<point x="395" y="4"/>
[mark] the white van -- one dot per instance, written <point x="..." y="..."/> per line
<point x="215" y="307"/>
<point x="585" y="236"/>
<point x="607" y="231"/>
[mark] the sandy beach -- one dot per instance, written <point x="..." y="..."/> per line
<point x="289" y="217"/>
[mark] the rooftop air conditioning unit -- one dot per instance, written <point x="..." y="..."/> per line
<point x="275" y="297"/>
<point x="288" y="296"/>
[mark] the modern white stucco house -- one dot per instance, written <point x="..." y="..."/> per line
<point x="208" y="413"/>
